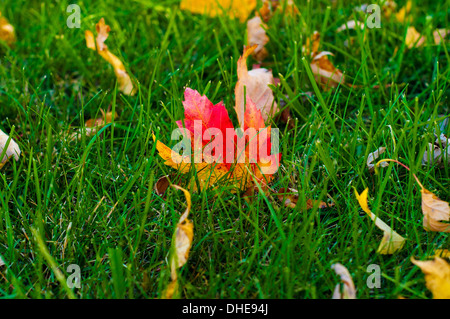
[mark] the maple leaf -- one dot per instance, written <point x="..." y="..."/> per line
<point x="437" y="276"/>
<point x="7" y="32"/>
<point x="9" y="148"/>
<point x="102" y="29"/>
<point x="255" y="83"/>
<point x="391" y="241"/>
<point x="236" y="9"/>
<point x="210" y="169"/>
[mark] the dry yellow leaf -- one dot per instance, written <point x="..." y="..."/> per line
<point x="256" y="84"/>
<point x="348" y="290"/>
<point x="13" y="150"/>
<point x="181" y="244"/>
<point x="240" y="9"/>
<point x="391" y="241"/>
<point x="124" y="80"/>
<point x="403" y="14"/>
<point x="7" y="32"/>
<point x="437" y="276"/>
<point x="414" y="38"/>
<point x="256" y="35"/>
<point x="443" y="253"/>
<point x="435" y="211"/>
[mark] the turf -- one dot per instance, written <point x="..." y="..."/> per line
<point x="91" y="202"/>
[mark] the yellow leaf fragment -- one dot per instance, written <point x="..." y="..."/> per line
<point x="437" y="276"/>
<point x="7" y="32"/>
<point x="403" y="14"/>
<point x="256" y="35"/>
<point x="443" y="253"/>
<point x="435" y="211"/>
<point x="124" y="80"/>
<point x="12" y="150"/>
<point x="348" y="290"/>
<point x="240" y="9"/>
<point x="181" y="244"/>
<point x="256" y="85"/>
<point x="391" y="241"/>
<point x="414" y="38"/>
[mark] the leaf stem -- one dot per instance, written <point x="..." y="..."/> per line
<point x="395" y="161"/>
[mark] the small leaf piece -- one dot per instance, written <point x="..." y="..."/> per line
<point x="434" y="210"/>
<point x="348" y="288"/>
<point x="437" y="276"/>
<point x="373" y="156"/>
<point x="13" y="150"/>
<point x="7" y="32"/>
<point x="391" y="241"/>
<point x="256" y="35"/>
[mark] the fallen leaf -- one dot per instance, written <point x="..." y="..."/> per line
<point x="2" y="263"/>
<point x="255" y="83"/>
<point x="350" y="25"/>
<point x="93" y="125"/>
<point x="443" y="253"/>
<point x="324" y="71"/>
<point x="435" y="211"/>
<point x="13" y="150"/>
<point x="391" y="241"/>
<point x="289" y="197"/>
<point x="437" y="153"/>
<point x="256" y="35"/>
<point x="373" y="156"/>
<point x="235" y="9"/>
<point x="414" y="38"/>
<point x="437" y="276"/>
<point x="161" y="185"/>
<point x="181" y="244"/>
<point x="102" y="29"/>
<point x="225" y="165"/>
<point x="403" y="14"/>
<point x="348" y="290"/>
<point x="439" y="35"/>
<point x="7" y="32"/>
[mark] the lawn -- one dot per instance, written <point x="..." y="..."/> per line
<point x="91" y="201"/>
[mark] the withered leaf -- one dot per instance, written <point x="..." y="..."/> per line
<point x="256" y="85"/>
<point x="235" y="9"/>
<point x="256" y="35"/>
<point x="12" y="150"/>
<point x="437" y="276"/>
<point x="348" y="290"/>
<point x="435" y="211"/>
<point x="7" y="32"/>
<point x="391" y="241"/>
<point x="124" y="80"/>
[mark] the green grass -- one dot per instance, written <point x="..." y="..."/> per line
<point x="92" y="202"/>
